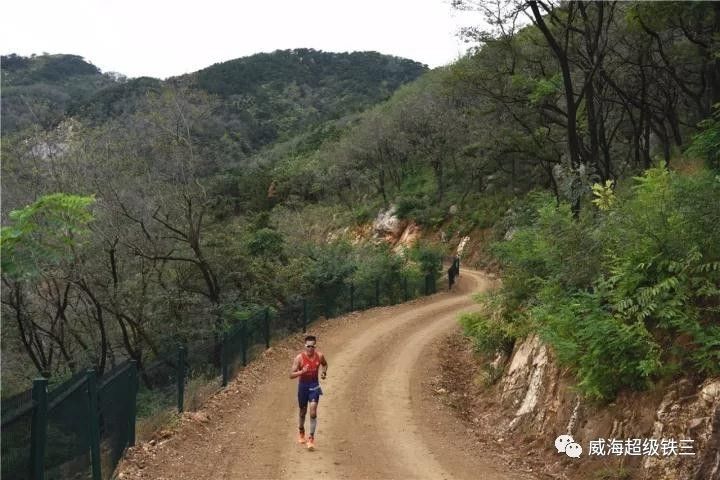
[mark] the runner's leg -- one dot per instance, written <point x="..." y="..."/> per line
<point x="302" y="405"/>
<point x="313" y="418"/>
<point x="301" y="419"/>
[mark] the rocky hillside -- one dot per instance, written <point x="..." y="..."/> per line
<point x="526" y="400"/>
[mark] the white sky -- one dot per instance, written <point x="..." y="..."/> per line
<point x="162" y="38"/>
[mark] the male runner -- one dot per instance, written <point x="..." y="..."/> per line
<point x="305" y="367"/>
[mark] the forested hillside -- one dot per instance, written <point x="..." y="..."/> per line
<point x="135" y="213"/>
<point x="585" y="144"/>
<point x="38" y="91"/>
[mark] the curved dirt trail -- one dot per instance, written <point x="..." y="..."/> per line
<point x="375" y="421"/>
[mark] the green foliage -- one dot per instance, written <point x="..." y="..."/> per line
<point x="429" y="258"/>
<point x="605" y="353"/>
<point x="624" y="296"/>
<point x="116" y="99"/>
<point x="44" y="68"/>
<point x="39" y="91"/>
<point x="555" y="247"/>
<point x="44" y="233"/>
<point x="663" y="264"/>
<point x="364" y="213"/>
<point x="248" y="316"/>
<point x="544" y="88"/>
<point x="490" y="329"/>
<point x="265" y="242"/>
<point x="706" y="143"/>
<point x="332" y="267"/>
<point x="276" y="95"/>
<point x="487" y="210"/>
<point x="523" y="211"/>
<point x="417" y="200"/>
<point x="378" y="263"/>
<point x="604" y="195"/>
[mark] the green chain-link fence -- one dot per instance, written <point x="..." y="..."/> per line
<point x="81" y="428"/>
<point x="77" y="430"/>
<point x="17" y="415"/>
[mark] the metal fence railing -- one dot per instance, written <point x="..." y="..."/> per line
<point x="17" y="416"/>
<point x="78" y="430"/>
<point x="81" y="428"/>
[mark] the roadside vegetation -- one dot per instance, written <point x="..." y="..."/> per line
<point x="626" y="294"/>
<point x="153" y="211"/>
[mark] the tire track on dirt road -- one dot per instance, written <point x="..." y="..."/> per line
<point x="371" y="413"/>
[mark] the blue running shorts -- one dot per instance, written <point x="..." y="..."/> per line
<point x="308" y="392"/>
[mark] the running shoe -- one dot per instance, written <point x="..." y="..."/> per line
<point x="301" y="437"/>
<point x="311" y="443"/>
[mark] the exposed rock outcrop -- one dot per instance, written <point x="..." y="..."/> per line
<point x="387" y="223"/>
<point x="543" y="404"/>
<point x="396" y="232"/>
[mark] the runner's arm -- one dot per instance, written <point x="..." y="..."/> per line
<point x="324" y="364"/>
<point x="295" y="370"/>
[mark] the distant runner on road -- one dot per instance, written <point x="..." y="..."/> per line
<point x="305" y="367"/>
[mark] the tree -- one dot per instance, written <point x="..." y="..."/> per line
<point x="41" y="253"/>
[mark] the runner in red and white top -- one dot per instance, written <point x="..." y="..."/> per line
<point x="305" y="367"/>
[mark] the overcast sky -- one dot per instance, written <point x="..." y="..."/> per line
<point x="162" y="38"/>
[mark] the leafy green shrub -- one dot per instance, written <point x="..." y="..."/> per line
<point x="429" y="258"/>
<point x="379" y="263"/>
<point x="663" y="263"/>
<point x="417" y="200"/>
<point x="363" y="214"/>
<point x="489" y="328"/>
<point x="265" y="242"/>
<point x="488" y="210"/>
<point x="523" y="211"/>
<point x="44" y="233"/>
<point x="606" y="353"/>
<point x="332" y="267"/>
<point x="706" y="143"/>
<point x="624" y="295"/>
<point x="555" y="248"/>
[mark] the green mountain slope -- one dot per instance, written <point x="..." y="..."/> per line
<point x="36" y="91"/>
<point x="255" y="100"/>
<point x="286" y="91"/>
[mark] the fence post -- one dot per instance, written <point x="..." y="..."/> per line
<point x="132" y="418"/>
<point x="305" y="315"/>
<point x="427" y="284"/>
<point x="352" y="297"/>
<point x="94" y="423"/>
<point x="267" y="327"/>
<point x="405" y="289"/>
<point x="224" y="359"/>
<point x="181" y="374"/>
<point x="433" y="283"/>
<point x="377" y="292"/>
<point x="38" y="433"/>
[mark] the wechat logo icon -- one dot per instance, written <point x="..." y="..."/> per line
<point x="565" y="444"/>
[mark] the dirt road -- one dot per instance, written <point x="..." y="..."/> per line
<point x="376" y="419"/>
